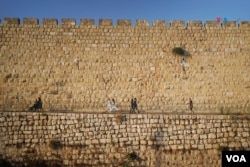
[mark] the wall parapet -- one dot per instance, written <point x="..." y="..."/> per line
<point x="11" y="21"/>
<point x="50" y="21"/>
<point x="69" y="22"/>
<point x="31" y="21"/>
<point x="86" y="22"/>
<point x="126" y="22"/>
<point x="195" y="24"/>
<point x="105" y="22"/>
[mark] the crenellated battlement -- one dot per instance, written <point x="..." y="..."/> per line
<point x="124" y="22"/>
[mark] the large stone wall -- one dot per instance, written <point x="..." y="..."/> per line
<point x="77" y="67"/>
<point x="81" y="139"/>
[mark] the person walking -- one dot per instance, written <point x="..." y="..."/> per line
<point x="131" y="106"/>
<point x="135" y="105"/>
<point x="113" y="106"/>
<point x="109" y="105"/>
<point x="190" y="104"/>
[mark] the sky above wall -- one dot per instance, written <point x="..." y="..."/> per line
<point x="227" y="10"/>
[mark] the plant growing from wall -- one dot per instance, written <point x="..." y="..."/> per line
<point x="178" y="51"/>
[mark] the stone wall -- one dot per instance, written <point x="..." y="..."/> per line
<point x="81" y="139"/>
<point x="77" y="67"/>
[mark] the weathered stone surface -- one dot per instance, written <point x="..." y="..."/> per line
<point x="76" y="140"/>
<point x="77" y="68"/>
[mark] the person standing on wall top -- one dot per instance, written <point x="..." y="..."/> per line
<point x="39" y="104"/>
<point x="135" y="105"/>
<point x="109" y="105"/>
<point x="131" y="106"/>
<point x="190" y="104"/>
<point x="113" y="106"/>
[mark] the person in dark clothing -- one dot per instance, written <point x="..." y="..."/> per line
<point x="38" y="105"/>
<point x="132" y="106"/>
<point x="135" y="105"/>
<point x="190" y="104"/>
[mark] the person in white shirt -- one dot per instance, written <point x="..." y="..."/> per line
<point x="109" y="105"/>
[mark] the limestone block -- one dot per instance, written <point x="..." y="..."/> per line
<point x="200" y="131"/>
<point x="30" y="21"/>
<point x="245" y="24"/>
<point x="229" y="24"/>
<point x="194" y="24"/>
<point x="11" y="21"/>
<point x="47" y="21"/>
<point x="27" y="132"/>
<point x="17" y="123"/>
<point x="201" y="147"/>
<point x="174" y="147"/>
<point x="35" y="140"/>
<point x="68" y="22"/>
<point x="125" y="139"/>
<point x="245" y="144"/>
<point x="124" y="22"/>
<point x="105" y="22"/>
<point x="87" y="22"/>
<point x="78" y="134"/>
<point x="177" y="23"/>
<point x="211" y="136"/>
<point x="88" y="142"/>
<point x="70" y="122"/>
<point x="142" y="23"/>
<point x="65" y="162"/>
<point x="181" y="147"/>
<point x="160" y="23"/>
<point x="195" y="136"/>
<point x="212" y="130"/>
<point x="245" y="134"/>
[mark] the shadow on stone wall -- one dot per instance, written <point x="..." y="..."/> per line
<point x="30" y="163"/>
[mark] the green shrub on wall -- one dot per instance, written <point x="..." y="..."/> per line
<point x="178" y="51"/>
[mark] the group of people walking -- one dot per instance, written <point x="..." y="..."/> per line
<point x="111" y="106"/>
<point x="38" y="105"/>
<point x="133" y="107"/>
